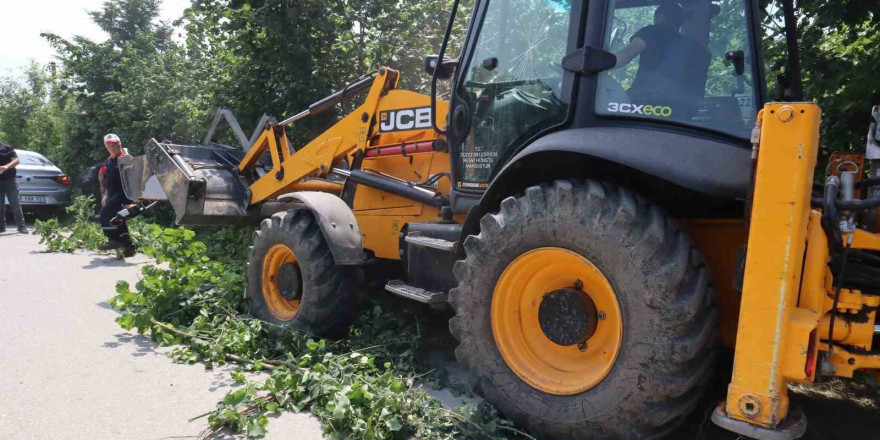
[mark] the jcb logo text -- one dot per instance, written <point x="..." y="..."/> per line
<point x="405" y="119"/>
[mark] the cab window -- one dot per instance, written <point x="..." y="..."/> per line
<point x="686" y="62"/>
<point x="512" y="84"/>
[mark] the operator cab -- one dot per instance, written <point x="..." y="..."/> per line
<point x="687" y="67"/>
<point x="700" y="73"/>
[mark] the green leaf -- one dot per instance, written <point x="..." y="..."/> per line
<point x="126" y="321"/>
<point x="235" y="397"/>
<point x="394" y="424"/>
<point x="255" y="429"/>
<point x="122" y="287"/>
<point x="238" y="376"/>
<point x="397" y="386"/>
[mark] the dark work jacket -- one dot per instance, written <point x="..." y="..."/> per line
<point x="7" y="154"/>
<point x="112" y="180"/>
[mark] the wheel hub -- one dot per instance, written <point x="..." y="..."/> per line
<point x="567" y="316"/>
<point x="546" y="304"/>
<point x="281" y="282"/>
<point x="290" y="281"/>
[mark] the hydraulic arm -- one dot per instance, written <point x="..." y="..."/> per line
<point x="316" y="158"/>
<point x="347" y="141"/>
<point x="216" y="184"/>
<point x="791" y="294"/>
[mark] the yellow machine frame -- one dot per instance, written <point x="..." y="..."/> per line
<point x="787" y="293"/>
<point x="786" y="298"/>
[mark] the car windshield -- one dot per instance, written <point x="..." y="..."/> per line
<point x="33" y="159"/>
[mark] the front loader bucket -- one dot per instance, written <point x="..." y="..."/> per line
<point x="200" y="182"/>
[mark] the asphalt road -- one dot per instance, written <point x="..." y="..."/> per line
<point x="68" y="371"/>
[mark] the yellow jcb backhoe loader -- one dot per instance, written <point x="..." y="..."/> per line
<point x="608" y="196"/>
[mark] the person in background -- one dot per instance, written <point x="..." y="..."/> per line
<point x="113" y="199"/>
<point x="9" y="188"/>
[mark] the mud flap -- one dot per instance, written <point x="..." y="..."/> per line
<point x="201" y="183"/>
<point x="338" y="225"/>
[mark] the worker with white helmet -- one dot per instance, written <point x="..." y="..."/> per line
<point x="114" y="198"/>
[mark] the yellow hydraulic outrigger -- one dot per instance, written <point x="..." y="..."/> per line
<point x="787" y="298"/>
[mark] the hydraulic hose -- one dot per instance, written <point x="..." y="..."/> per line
<point x="858" y="205"/>
<point x="839" y="281"/>
<point x="851" y="205"/>
<point x="844" y="205"/>
<point x="831" y="215"/>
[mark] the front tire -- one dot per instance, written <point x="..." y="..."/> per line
<point x="585" y="239"/>
<point x="293" y="280"/>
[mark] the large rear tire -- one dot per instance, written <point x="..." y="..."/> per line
<point x="652" y="346"/>
<point x="293" y="280"/>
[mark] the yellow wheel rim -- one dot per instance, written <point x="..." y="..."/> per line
<point x="280" y="307"/>
<point x="538" y="361"/>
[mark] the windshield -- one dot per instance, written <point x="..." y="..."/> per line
<point x="689" y="64"/>
<point x="513" y="82"/>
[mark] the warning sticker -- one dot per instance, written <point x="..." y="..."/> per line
<point x="479" y="160"/>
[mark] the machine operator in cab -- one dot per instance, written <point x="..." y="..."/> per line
<point x="673" y="59"/>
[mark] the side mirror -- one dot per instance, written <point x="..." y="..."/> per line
<point x="588" y="60"/>
<point x="738" y="58"/>
<point x="446" y="69"/>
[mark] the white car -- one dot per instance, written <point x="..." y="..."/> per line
<point x="42" y="187"/>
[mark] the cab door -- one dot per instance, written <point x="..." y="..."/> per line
<point x="510" y="86"/>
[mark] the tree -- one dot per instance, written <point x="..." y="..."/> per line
<point x="279" y="56"/>
<point x="840" y="49"/>
<point x="32" y="112"/>
<point x="138" y="83"/>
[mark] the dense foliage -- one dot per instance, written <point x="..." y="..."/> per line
<point x="369" y="385"/>
<point x="840" y="52"/>
<point x="83" y="233"/>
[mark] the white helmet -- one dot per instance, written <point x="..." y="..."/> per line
<point x="111" y="138"/>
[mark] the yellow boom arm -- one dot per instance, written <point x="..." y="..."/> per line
<point x="291" y="171"/>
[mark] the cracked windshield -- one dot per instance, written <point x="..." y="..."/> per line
<point x="513" y="83"/>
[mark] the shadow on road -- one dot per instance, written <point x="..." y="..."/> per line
<point x="108" y="261"/>
<point x="144" y="345"/>
<point x="106" y="305"/>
